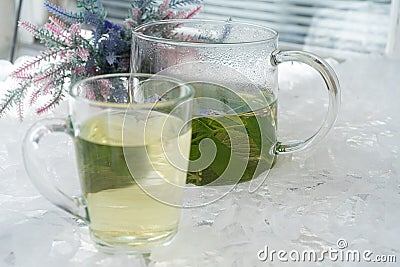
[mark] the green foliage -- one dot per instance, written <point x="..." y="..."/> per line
<point x="72" y="55"/>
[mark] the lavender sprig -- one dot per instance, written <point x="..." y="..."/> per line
<point x="67" y="16"/>
<point x="71" y="55"/>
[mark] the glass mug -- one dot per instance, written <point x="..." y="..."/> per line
<point x="233" y="68"/>
<point x="121" y="149"/>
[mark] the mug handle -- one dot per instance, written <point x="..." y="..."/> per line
<point x="331" y="82"/>
<point x="40" y="176"/>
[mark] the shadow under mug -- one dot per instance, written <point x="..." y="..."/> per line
<point x="121" y="151"/>
<point x="233" y="68"/>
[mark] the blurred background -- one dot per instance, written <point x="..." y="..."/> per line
<point x="335" y="28"/>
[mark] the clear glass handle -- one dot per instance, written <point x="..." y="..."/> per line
<point x="39" y="174"/>
<point x="331" y="82"/>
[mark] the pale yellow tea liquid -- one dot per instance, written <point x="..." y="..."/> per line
<point x="121" y="213"/>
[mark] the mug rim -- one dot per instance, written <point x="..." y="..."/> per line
<point x="74" y="87"/>
<point x="140" y="35"/>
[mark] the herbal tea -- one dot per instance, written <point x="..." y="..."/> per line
<point x="257" y="116"/>
<point x="121" y="214"/>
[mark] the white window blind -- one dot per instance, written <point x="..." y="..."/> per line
<point x="353" y="26"/>
<point x="117" y="10"/>
<point x="328" y="26"/>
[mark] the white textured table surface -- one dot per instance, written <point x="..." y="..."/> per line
<point x="348" y="187"/>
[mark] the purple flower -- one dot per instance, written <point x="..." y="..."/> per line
<point x="153" y="99"/>
<point x="210" y="112"/>
<point x="111" y="58"/>
<point x="78" y="56"/>
<point x="108" y="25"/>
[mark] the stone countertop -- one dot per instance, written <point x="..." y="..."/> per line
<point x="343" y="195"/>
